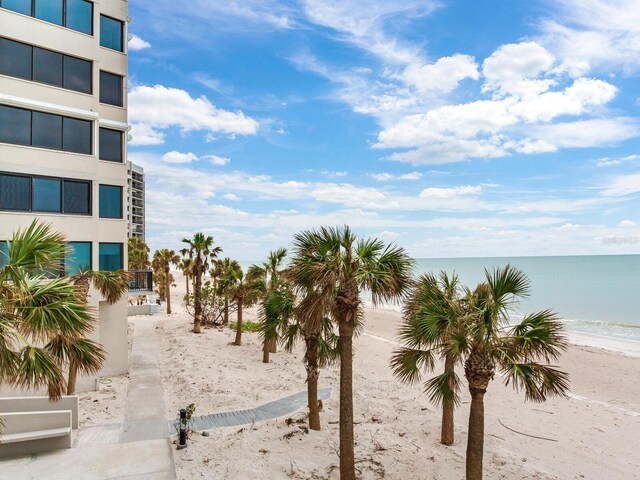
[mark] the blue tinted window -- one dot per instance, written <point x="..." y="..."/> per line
<point x="15" y="192"/>
<point x="110" y="201"/>
<point x="77" y="74"/>
<point x="110" y="145"/>
<point x="15" y="59"/>
<point x="76" y="197"/>
<point x="47" y="66"/>
<point x="76" y="135"/>
<point x="4" y="253"/>
<point x="20" y="6"/>
<point x="110" y="257"/>
<point x="80" y="16"/>
<point x="111" y="33"/>
<point x="110" y="88"/>
<point x="46" y="130"/>
<point x="49" y="10"/>
<point x="46" y="195"/>
<point x="15" y="125"/>
<point x="78" y="258"/>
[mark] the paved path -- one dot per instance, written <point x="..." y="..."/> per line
<point x="267" y="411"/>
<point x="145" y="414"/>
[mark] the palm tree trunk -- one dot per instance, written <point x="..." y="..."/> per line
<point x="313" y="372"/>
<point x="347" y="458"/>
<point x="73" y="375"/>
<point x="273" y="345"/>
<point x="226" y="309"/>
<point x="197" y="290"/>
<point x="186" y="278"/>
<point x="168" y="286"/>
<point x="265" y="351"/>
<point x="475" y="441"/>
<point x="239" y="324"/>
<point x="446" y="434"/>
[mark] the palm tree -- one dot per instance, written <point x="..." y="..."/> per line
<point x="35" y="309"/>
<point x="336" y="265"/>
<point x="271" y="273"/>
<point x="222" y="273"/>
<point x="243" y="292"/>
<point x="200" y="251"/>
<point x="82" y="354"/>
<point x="521" y="352"/>
<point x="186" y="266"/>
<point x="162" y="261"/>
<point x="432" y="317"/>
<point x="137" y="254"/>
<point x="316" y="330"/>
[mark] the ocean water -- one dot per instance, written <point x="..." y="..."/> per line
<point x="593" y="294"/>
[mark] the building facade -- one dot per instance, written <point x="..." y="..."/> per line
<point x="63" y="130"/>
<point x="135" y="207"/>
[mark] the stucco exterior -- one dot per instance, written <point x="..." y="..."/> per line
<point x="111" y="320"/>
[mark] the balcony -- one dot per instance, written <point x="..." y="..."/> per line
<point x="141" y="281"/>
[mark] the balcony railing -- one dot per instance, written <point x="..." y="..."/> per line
<point x="141" y="281"/>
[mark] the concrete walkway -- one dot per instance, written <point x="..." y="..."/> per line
<point x="145" y="415"/>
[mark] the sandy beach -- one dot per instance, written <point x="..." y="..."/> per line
<point x="591" y="434"/>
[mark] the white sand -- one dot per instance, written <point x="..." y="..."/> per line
<point x="593" y="434"/>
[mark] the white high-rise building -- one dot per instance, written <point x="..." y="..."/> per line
<point x="63" y="130"/>
<point x="135" y="208"/>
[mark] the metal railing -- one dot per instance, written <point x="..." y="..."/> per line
<point x="141" y="281"/>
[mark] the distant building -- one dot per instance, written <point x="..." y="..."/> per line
<point x="63" y="130"/>
<point x="135" y="207"/>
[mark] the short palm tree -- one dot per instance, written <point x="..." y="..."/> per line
<point x="522" y="352"/>
<point x="186" y="266"/>
<point x="431" y="329"/>
<point x="243" y="290"/>
<point x="83" y="355"/>
<point x="200" y="251"/>
<point x="271" y="272"/>
<point x="162" y="260"/>
<point x="35" y="310"/>
<point x="223" y="272"/>
<point x="336" y="265"/>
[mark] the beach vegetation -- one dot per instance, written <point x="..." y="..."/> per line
<point x="186" y="266"/>
<point x="138" y="254"/>
<point x="162" y="261"/>
<point x="336" y="265"/>
<point x="43" y="314"/>
<point x="432" y="329"/>
<point x="247" y="326"/>
<point x="223" y="278"/>
<point x="201" y="252"/>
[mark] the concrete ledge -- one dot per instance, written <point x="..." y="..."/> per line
<point x="25" y="433"/>
<point x="41" y="404"/>
<point x="147" y="309"/>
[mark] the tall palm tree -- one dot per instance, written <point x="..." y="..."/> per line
<point x="271" y="272"/>
<point x="432" y="317"/>
<point x="337" y="265"/>
<point x="521" y="352"/>
<point x="162" y="260"/>
<point x="35" y="309"/>
<point x="137" y="254"/>
<point x="200" y="251"/>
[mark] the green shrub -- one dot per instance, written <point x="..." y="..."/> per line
<point x="246" y="326"/>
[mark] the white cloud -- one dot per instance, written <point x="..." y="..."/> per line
<point x="440" y="193"/>
<point x="627" y="223"/>
<point x="511" y="68"/>
<point x="231" y="196"/>
<point x="623" y="185"/>
<point x="608" y="162"/>
<point x="216" y="160"/>
<point x="442" y="76"/>
<point x="177" y="157"/>
<point x="386" y="177"/>
<point x="153" y="110"/>
<point x="136" y="43"/>
<point x="387" y="235"/>
<point x="337" y="174"/>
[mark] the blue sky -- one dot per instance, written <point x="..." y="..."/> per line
<point x="454" y="129"/>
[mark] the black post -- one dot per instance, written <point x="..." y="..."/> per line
<point x="183" y="429"/>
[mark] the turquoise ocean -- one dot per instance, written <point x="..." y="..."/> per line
<point x="596" y="295"/>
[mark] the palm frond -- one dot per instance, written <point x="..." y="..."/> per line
<point x="538" y="336"/>
<point x="407" y="363"/>
<point x="538" y="381"/>
<point x="443" y="387"/>
<point x="38" y="368"/>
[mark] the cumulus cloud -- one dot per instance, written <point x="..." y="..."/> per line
<point x="136" y="43"/>
<point x="177" y="157"/>
<point x="155" y="109"/>
<point x="216" y="160"/>
<point x="386" y="177"/>
<point x="443" y="76"/>
<point x="451" y="192"/>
